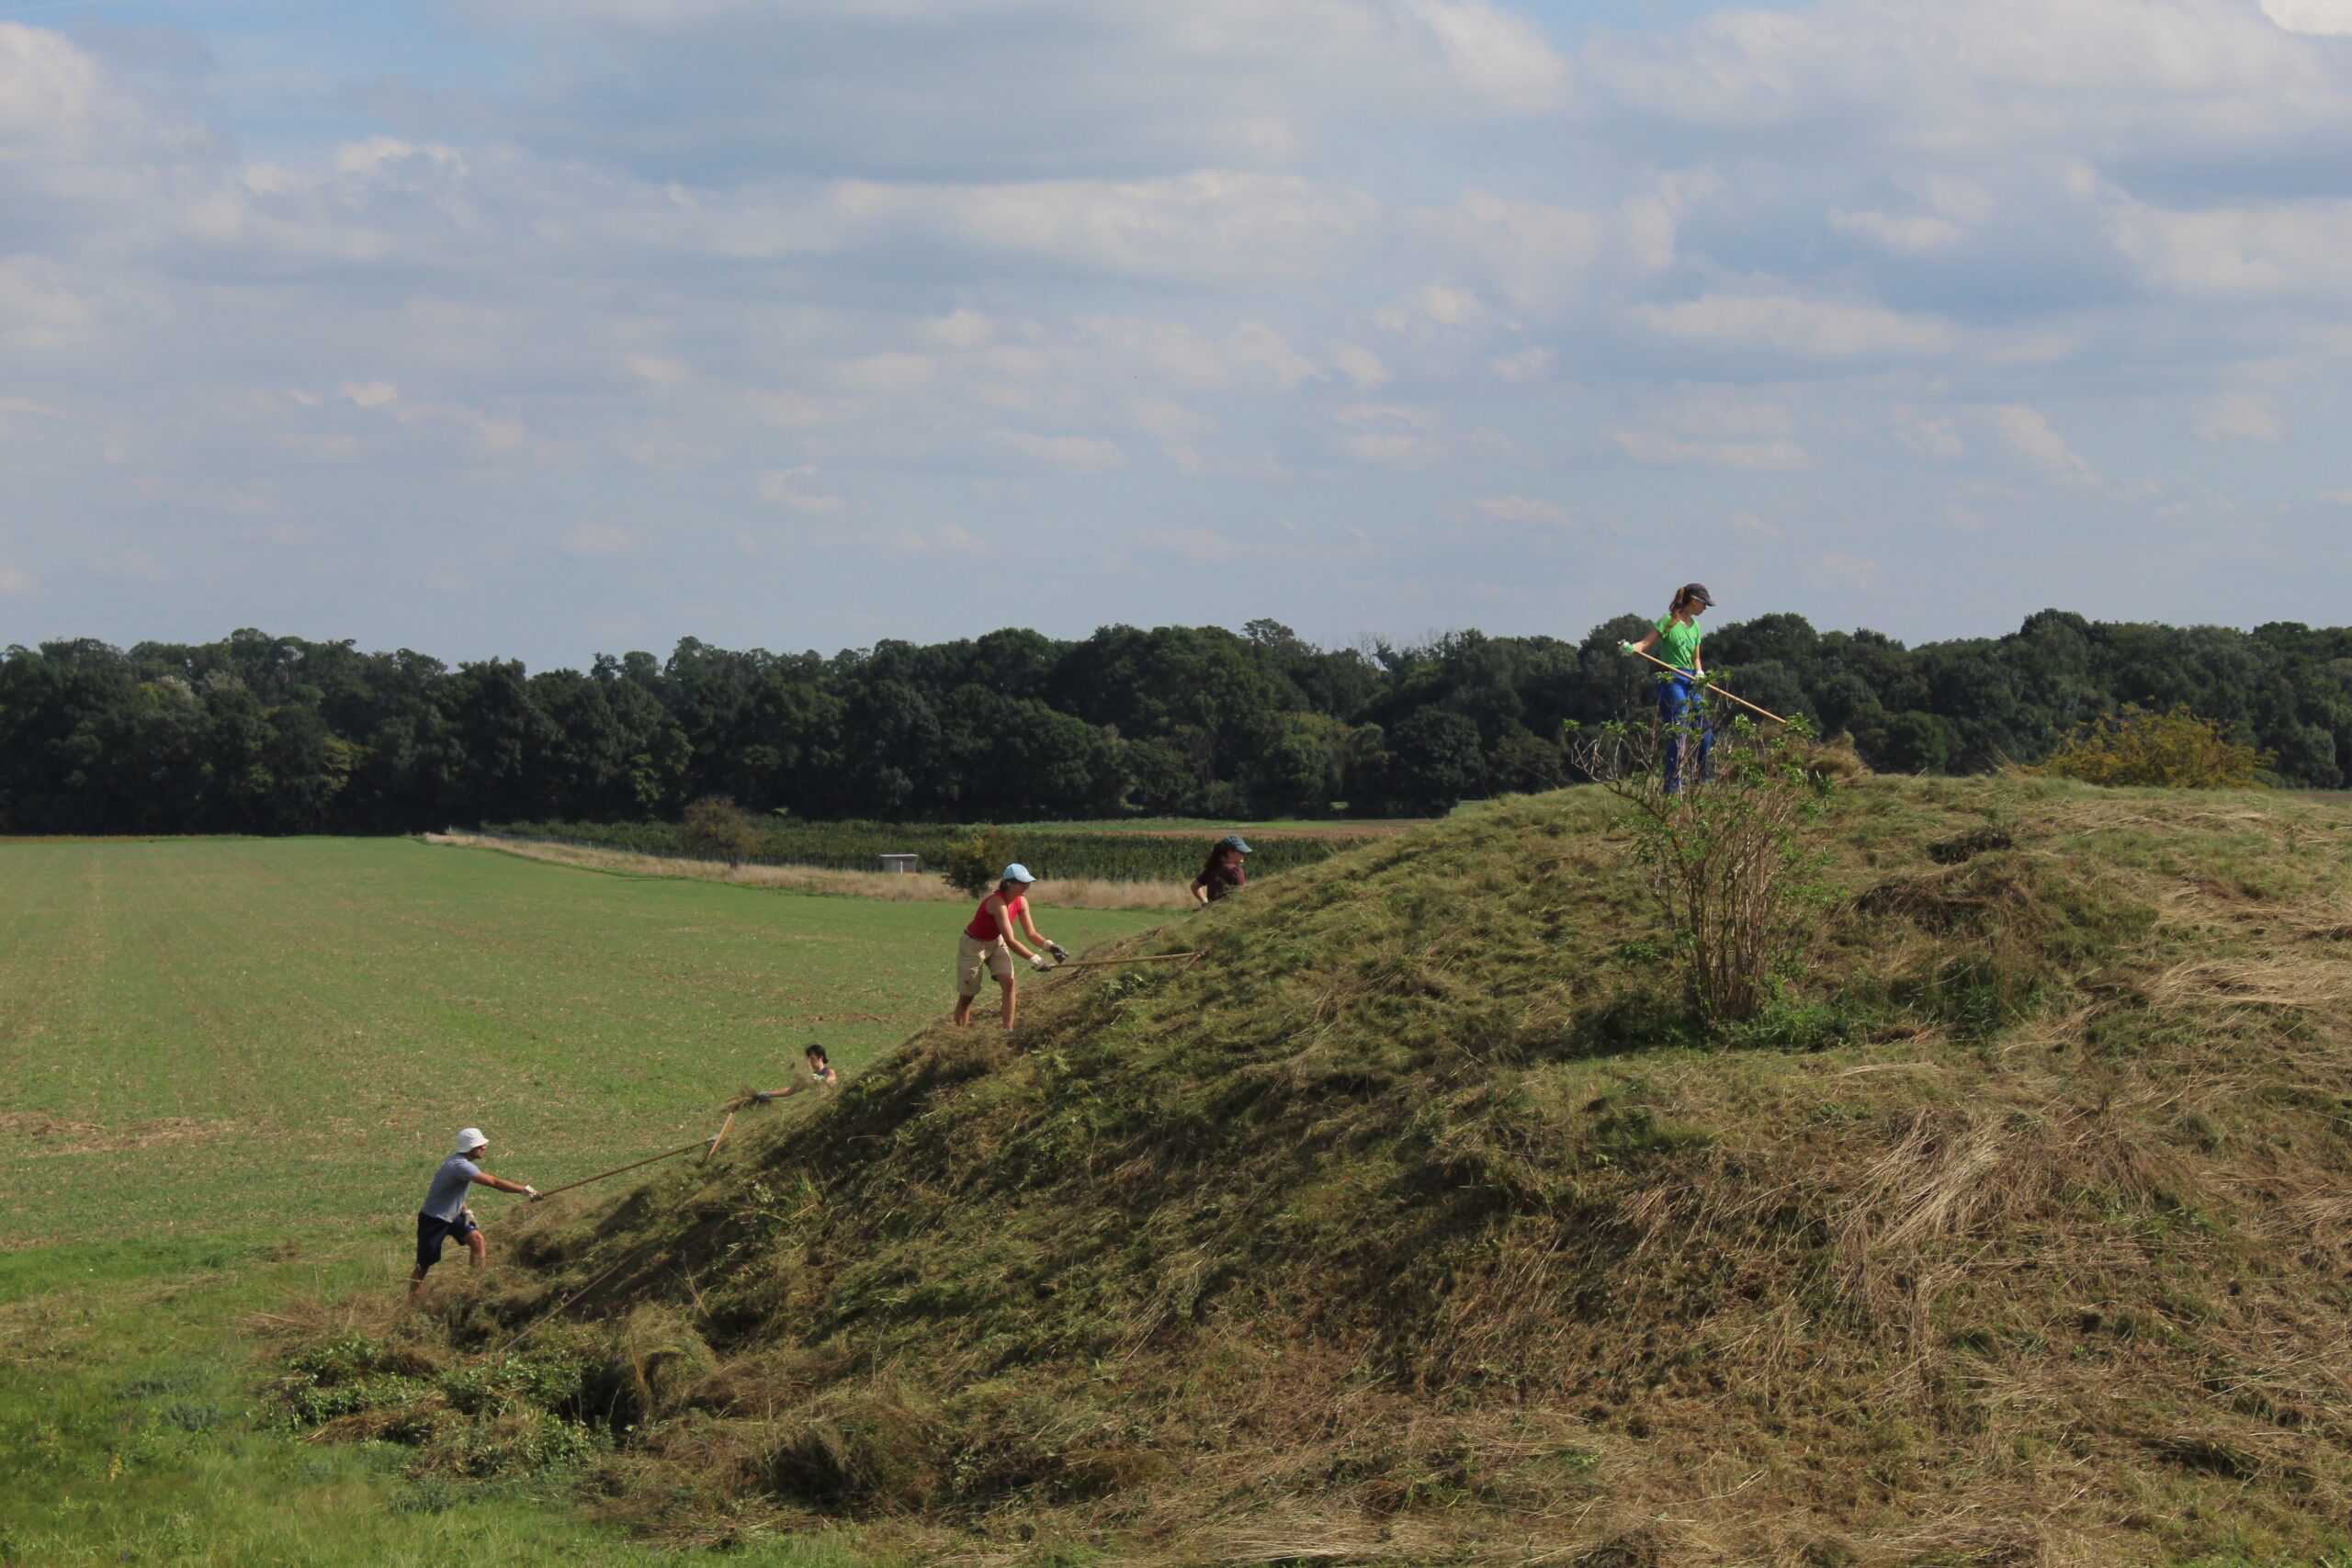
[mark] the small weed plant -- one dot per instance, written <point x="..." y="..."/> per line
<point x="1728" y="859"/>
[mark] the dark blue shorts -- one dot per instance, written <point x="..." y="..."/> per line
<point x="431" y="1233"/>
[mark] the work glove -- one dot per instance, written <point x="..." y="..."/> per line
<point x="1037" y="962"/>
<point x="762" y="1095"/>
<point x="529" y="1192"/>
<point x="1058" y="950"/>
<point x="1624" y="647"/>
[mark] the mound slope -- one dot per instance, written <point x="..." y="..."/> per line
<point x="1415" y="1222"/>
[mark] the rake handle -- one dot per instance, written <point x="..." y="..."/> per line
<point x="1100" y="962"/>
<point x="673" y="1153"/>
<point x="1719" y="691"/>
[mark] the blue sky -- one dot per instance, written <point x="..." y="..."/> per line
<point x="539" y="328"/>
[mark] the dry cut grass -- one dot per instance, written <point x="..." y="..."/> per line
<point x="1417" y="1222"/>
<point x="1079" y="892"/>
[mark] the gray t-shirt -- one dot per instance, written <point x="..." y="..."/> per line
<point x="448" y="1194"/>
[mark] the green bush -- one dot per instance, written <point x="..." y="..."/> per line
<point x="717" y="829"/>
<point x="2175" y="750"/>
<point x="973" y="862"/>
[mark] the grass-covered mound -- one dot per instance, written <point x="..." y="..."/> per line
<point x="1415" y="1222"/>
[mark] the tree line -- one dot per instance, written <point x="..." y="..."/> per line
<point x="267" y="734"/>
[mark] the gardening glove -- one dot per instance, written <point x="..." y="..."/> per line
<point x="1037" y="962"/>
<point x="1624" y="647"/>
<point x="531" y="1193"/>
<point x="1058" y="950"/>
<point x="762" y="1095"/>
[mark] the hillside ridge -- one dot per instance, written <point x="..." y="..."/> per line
<point x="1420" y="1220"/>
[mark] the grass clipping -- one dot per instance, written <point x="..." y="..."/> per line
<point x="1420" y="1219"/>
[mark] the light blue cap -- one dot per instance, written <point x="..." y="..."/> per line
<point x="1016" y="872"/>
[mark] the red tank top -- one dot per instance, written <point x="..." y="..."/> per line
<point x="983" y="927"/>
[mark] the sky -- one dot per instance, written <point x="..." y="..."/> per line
<point x="537" y="329"/>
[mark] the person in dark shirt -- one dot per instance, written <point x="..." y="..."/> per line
<point x="1224" y="871"/>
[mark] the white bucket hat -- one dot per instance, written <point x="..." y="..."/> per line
<point x="470" y="1139"/>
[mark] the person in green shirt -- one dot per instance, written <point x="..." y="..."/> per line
<point x="1681" y="703"/>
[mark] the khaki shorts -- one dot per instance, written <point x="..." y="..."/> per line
<point x="973" y="956"/>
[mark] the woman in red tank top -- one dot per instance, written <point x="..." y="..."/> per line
<point x="988" y="944"/>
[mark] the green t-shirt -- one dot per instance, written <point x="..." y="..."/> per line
<point x="1680" y="640"/>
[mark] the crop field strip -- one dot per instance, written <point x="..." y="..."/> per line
<point x="235" y="1035"/>
<point x="1151" y="849"/>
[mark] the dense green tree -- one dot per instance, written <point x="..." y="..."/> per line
<point x="265" y="733"/>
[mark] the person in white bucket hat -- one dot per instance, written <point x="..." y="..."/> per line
<point x="988" y="944"/>
<point x="444" y="1213"/>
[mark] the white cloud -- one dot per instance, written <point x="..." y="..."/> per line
<point x="961" y="328"/>
<point x="1523" y="509"/>
<point x="1928" y="435"/>
<point x="1498" y="58"/>
<point x="1812" y="329"/>
<point x="1527" y="365"/>
<point x="1360" y="365"/>
<point x="1206" y="226"/>
<point x="887" y="373"/>
<point x="1535" y="254"/>
<point x="36" y="308"/>
<point x="1201" y="546"/>
<point x="2278" y="249"/>
<point x="1715" y="428"/>
<point x="1392" y="448"/>
<point x="15" y="580"/>
<point x="133" y="563"/>
<point x="657" y="370"/>
<point x="945" y="538"/>
<point x="1852" y="573"/>
<point x="789" y="410"/>
<point x="2325" y="19"/>
<point x="789" y="487"/>
<point x="1251" y="353"/>
<point x="598" y="539"/>
<point x="1177" y="429"/>
<point x="1747" y="522"/>
<point x="2239" y="416"/>
<point x="369" y="394"/>
<point x="1660" y="450"/>
<point x="2030" y="433"/>
<point x="1438" y="303"/>
<point x="1080" y="454"/>
<point x="1915" y="234"/>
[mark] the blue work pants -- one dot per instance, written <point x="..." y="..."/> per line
<point x="1682" y="708"/>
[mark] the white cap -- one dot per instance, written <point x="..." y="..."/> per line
<point x="1016" y="872"/>
<point x="470" y="1139"/>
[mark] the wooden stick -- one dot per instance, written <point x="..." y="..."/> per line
<point x="1709" y="685"/>
<point x="717" y="1138"/>
<point x="681" y="1148"/>
<point x="1100" y="962"/>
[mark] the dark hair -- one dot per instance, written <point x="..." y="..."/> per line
<point x="813" y="1049"/>
<point x="1216" y="855"/>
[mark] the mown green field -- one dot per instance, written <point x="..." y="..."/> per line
<point x="240" y="1036"/>
<point x="231" y="1065"/>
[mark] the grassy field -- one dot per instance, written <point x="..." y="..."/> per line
<point x="231" y="1065"/>
<point x="214" y="1037"/>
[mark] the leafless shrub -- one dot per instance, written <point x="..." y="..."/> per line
<point x="1725" y="858"/>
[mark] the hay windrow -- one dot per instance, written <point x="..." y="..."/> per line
<point x="1417" y="1221"/>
